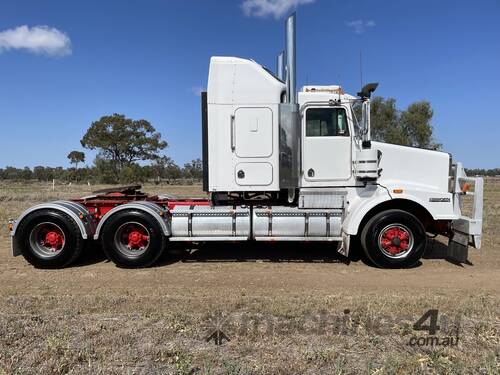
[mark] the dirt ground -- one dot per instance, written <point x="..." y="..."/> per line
<point x="279" y="308"/>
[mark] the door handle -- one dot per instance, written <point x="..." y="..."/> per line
<point x="233" y="146"/>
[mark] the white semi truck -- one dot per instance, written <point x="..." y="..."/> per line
<point x="279" y="165"/>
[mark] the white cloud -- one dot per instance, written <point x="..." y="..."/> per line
<point x="360" y="26"/>
<point x="38" y="39"/>
<point x="197" y="90"/>
<point x="276" y="8"/>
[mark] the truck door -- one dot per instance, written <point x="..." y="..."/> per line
<point x="326" y="145"/>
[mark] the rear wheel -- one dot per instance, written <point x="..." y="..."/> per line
<point x="49" y="239"/>
<point x="132" y="239"/>
<point x="394" y="239"/>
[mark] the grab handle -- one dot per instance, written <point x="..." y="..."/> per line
<point x="232" y="134"/>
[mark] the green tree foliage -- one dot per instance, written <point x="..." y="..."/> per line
<point x="105" y="171"/>
<point x="26" y="174"/>
<point x="132" y="173"/>
<point x="122" y="141"/>
<point x="193" y="169"/>
<point x="384" y="120"/>
<point x="409" y="127"/>
<point x="173" y="172"/>
<point x="165" y="168"/>
<point x="416" y="124"/>
<point x="76" y="157"/>
<point x="42" y="173"/>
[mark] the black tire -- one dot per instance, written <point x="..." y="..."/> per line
<point x="403" y="250"/>
<point x="29" y="231"/>
<point x="127" y="258"/>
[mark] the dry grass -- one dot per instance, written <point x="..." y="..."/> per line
<point x="283" y="306"/>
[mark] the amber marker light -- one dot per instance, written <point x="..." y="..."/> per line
<point x="465" y="188"/>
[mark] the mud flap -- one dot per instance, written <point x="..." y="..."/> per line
<point x="458" y="247"/>
<point x="344" y="245"/>
<point x="14" y="248"/>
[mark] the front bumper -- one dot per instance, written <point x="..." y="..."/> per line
<point x="466" y="230"/>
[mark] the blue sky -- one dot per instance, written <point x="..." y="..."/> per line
<point x="78" y="60"/>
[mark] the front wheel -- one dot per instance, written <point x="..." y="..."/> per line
<point x="394" y="239"/>
<point x="132" y="239"/>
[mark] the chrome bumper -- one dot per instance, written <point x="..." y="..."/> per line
<point x="466" y="230"/>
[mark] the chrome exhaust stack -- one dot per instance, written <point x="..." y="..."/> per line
<point x="289" y="118"/>
<point x="291" y="72"/>
<point x="280" y="66"/>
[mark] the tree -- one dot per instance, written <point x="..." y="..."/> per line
<point x="132" y="173"/>
<point x="11" y="173"/>
<point x="411" y="127"/>
<point x="76" y="157"/>
<point x="123" y="141"/>
<point x="416" y="124"/>
<point x="384" y="121"/>
<point x="173" y="171"/>
<point x="165" y="167"/>
<point x="193" y="169"/>
<point x="26" y="174"/>
<point x="105" y="170"/>
<point x="40" y="173"/>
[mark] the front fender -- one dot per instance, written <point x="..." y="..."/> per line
<point x="438" y="204"/>
<point x="360" y="204"/>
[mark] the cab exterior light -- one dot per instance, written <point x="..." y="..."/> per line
<point x="397" y="191"/>
<point x="465" y="188"/>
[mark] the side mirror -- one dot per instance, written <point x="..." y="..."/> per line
<point x="367" y="90"/>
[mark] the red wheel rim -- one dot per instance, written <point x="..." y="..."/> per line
<point x="132" y="239"/>
<point x="47" y="239"/>
<point x="395" y="241"/>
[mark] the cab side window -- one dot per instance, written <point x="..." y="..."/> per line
<point x="326" y="122"/>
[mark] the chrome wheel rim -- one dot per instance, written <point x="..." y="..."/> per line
<point x="47" y="240"/>
<point x="395" y="241"/>
<point x="132" y="239"/>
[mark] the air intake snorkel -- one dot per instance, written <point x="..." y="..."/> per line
<point x="365" y="95"/>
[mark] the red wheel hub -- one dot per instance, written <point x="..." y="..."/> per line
<point x="137" y="239"/>
<point x="395" y="240"/>
<point x="54" y="239"/>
